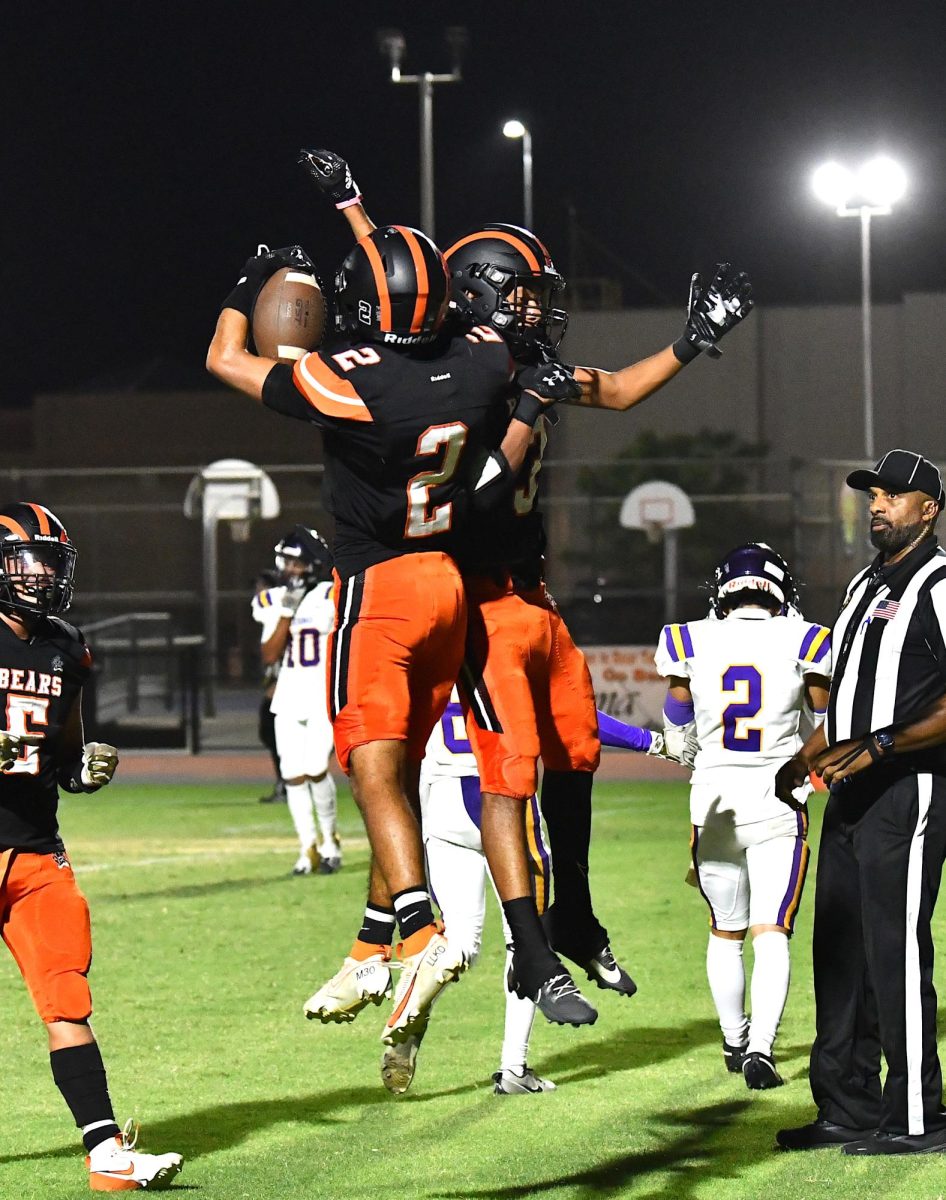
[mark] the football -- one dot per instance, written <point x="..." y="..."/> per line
<point x="289" y="315"/>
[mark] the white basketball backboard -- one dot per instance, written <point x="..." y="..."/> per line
<point x="657" y="505"/>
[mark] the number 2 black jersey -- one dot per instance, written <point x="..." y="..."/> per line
<point x="39" y="682"/>
<point x="405" y="435"/>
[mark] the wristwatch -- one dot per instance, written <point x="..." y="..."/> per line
<point x="884" y="740"/>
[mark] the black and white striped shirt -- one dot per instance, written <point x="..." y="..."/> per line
<point x="889" y="650"/>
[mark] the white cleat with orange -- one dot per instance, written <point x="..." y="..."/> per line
<point x="116" y="1166"/>
<point x="427" y="967"/>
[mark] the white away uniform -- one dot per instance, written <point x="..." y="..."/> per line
<point x="303" y="728"/>
<point x="746" y="675"/>
<point x="450" y="813"/>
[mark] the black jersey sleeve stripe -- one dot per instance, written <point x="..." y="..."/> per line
<point x="476" y="694"/>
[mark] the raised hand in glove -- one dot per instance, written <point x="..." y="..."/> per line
<point x="712" y="311"/>
<point x="332" y="176"/>
<point x="292" y="598"/>
<point x="258" y="269"/>
<point x="12" y="744"/>
<point x="99" y="762"/>
<point x="549" y="383"/>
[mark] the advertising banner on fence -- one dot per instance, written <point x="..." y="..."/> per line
<point x="626" y="682"/>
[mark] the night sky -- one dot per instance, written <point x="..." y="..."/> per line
<point x="150" y="146"/>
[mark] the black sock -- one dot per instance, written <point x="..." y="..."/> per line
<point x="566" y="807"/>
<point x="534" y="960"/>
<point x="413" y="909"/>
<point x="80" y="1075"/>
<point x="377" y="928"/>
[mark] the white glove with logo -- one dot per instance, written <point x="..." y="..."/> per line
<point x="12" y="744"/>
<point x="292" y="598"/>
<point x="680" y="743"/>
<point x="99" y="762"/>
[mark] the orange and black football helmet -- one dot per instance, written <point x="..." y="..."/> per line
<point x="393" y="287"/>
<point x="37" y="561"/>
<point x="503" y="276"/>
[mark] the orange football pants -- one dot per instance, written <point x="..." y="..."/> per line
<point x="44" y="919"/>
<point x="526" y="689"/>
<point x="395" y="652"/>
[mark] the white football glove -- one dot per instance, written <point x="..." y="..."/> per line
<point x="11" y="746"/>
<point x="680" y="743"/>
<point x="292" y="598"/>
<point x="99" y="762"/>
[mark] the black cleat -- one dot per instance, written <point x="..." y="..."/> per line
<point x="560" y="1002"/>
<point x="733" y="1057"/>
<point x="819" y="1135"/>
<point x="759" y="1072"/>
<point x="899" y="1143"/>
<point x="604" y="970"/>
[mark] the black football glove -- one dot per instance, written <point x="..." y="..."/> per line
<point x="712" y="311"/>
<point x="332" y="176"/>
<point x="544" y="385"/>
<point x="258" y="269"/>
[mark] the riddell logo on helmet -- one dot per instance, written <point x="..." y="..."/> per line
<point x="396" y="339"/>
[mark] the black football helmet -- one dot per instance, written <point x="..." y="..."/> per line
<point x="504" y="277"/>
<point x="307" y="546"/>
<point x="37" y="561"/>
<point x="393" y="287"/>
<point x="755" y="567"/>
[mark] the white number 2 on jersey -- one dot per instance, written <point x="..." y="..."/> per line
<point x="421" y="523"/>
<point x="24" y="713"/>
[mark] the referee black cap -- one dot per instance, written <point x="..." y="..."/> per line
<point x="901" y="471"/>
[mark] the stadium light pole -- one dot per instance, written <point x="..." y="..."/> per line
<point x="392" y="45"/>
<point x="870" y="191"/>
<point x="516" y="129"/>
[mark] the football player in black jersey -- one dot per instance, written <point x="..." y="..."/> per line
<point x="412" y="420"/>
<point x="503" y="279"/>
<point x="44" y="918"/>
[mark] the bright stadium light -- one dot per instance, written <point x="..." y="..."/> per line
<point x="881" y="182"/>
<point x="870" y="191"/>
<point x="833" y="184"/>
<point x="515" y="129"/>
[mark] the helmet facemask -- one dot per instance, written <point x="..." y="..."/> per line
<point x="522" y="307"/>
<point x="36" y="577"/>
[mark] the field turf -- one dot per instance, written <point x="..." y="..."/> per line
<point x="206" y="949"/>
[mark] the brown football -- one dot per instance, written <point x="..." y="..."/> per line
<point x="289" y="315"/>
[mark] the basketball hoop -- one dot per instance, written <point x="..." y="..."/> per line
<point x="654" y="531"/>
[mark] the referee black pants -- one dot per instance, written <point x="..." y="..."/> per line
<point x="881" y="855"/>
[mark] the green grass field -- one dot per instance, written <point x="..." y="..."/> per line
<point x="206" y="948"/>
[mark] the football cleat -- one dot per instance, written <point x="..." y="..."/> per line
<point x="116" y="1166"/>
<point x="511" y="1082"/>
<point x="399" y="1061"/>
<point x="360" y="982"/>
<point x="733" y="1057"/>
<point x="759" y="1072"/>
<point x="607" y="973"/>
<point x="308" y="862"/>
<point x="556" y="997"/>
<point x="424" y="976"/>
<point x="331" y="861"/>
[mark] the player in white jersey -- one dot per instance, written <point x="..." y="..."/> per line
<point x="456" y="867"/>
<point x="306" y="615"/>
<point x="741" y="683"/>
<point x="265" y="609"/>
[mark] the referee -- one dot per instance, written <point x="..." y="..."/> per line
<point x="882" y="751"/>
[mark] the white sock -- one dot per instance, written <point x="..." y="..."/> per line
<point x="727" y="980"/>
<point x="300" y="809"/>
<point x="323" y="793"/>
<point x="770" y="977"/>
<point x="519" y="1017"/>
